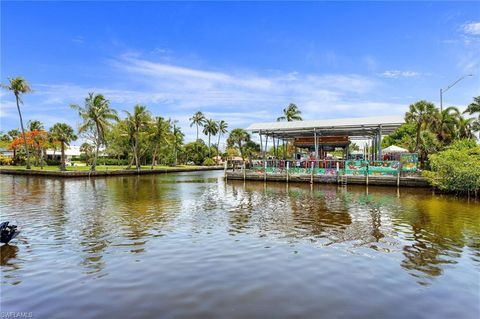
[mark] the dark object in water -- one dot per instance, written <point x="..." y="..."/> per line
<point x="7" y="232"/>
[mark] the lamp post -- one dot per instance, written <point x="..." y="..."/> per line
<point x="448" y="87"/>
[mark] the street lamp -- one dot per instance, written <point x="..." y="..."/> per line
<point x="448" y="87"/>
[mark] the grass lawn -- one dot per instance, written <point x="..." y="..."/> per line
<point x="100" y="167"/>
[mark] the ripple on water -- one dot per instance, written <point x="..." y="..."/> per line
<point x="189" y="245"/>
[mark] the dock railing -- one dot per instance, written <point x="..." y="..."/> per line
<point x="330" y="167"/>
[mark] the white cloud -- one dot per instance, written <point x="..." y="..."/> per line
<point x="395" y="74"/>
<point x="472" y="28"/>
<point x="240" y="98"/>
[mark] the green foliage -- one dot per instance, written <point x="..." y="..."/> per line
<point x="6" y="160"/>
<point x="195" y="152"/>
<point x="208" y="162"/>
<point x="457" y="168"/>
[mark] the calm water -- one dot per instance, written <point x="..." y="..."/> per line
<point x="190" y="246"/>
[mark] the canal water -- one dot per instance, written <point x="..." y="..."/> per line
<point x="189" y="245"/>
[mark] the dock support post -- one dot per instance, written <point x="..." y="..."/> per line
<point x="366" y="178"/>
<point x="311" y="172"/>
<point x="244" y="171"/>
<point x="265" y="172"/>
<point x="225" y="169"/>
<point x="288" y="166"/>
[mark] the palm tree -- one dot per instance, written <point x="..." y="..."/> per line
<point x="222" y="129"/>
<point x="35" y="125"/>
<point x="239" y="136"/>
<point x="422" y="113"/>
<point x="64" y="134"/>
<point x="446" y="124"/>
<point x="137" y="123"/>
<point x="158" y="133"/>
<point x="97" y="116"/>
<point x="20" y="86"/>
<point x="198" y="119"/>
<point x="472" y="109"/>
<point x="290" y="113"/>
<point x="177" y="139"/>
<point x="210" y="128"/>
<point x="465" y="127"/>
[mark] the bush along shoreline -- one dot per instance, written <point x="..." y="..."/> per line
<point x="456" y="169"/>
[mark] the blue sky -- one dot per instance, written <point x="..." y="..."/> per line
<point x="238" y="61"/>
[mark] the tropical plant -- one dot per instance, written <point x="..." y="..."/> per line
<point x="445" y="124"/>
<point x="457" y="168"/>
<point x="87" y="151"/>
<point x="97" y="117"/>
<point x="198" y="119"/>
<point x="136" y="124"/>
<point x="20" y="86"/>
<point x="239" y="137"/>
<point x="35" y="125"/>
<point x="158" y="133"/>
<point x="291" y="113"/>
<point x="63" y="133"/>
<point x="210" y="128"/>
<point x="222" y="129"/>
<point x="422" y="113"/>
<point x="474" y="109"/>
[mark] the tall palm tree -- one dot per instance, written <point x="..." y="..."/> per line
<point x="210" y="128"/>
<point x="198" y="119"/>
<point x="422" y="113"/>
<point x="239" y="136"/>
<point x="97" y="116"/>
<point x="222" y="129"/>
<point x="20" y="86"/>
<point x="158" y="133"/>
<point x="137" y="123"/>
<point x="290" y="113"/>
<point x="64" y="134"/>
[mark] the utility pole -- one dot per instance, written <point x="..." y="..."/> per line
<point x="448" y="87"/>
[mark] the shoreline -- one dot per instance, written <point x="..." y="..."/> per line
<point x="100" y="173"/>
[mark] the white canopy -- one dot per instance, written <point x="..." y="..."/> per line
<point x="394" y="149"/>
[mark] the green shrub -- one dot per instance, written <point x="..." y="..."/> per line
<point x="208" y="162"/>
<point x="6" y="160"/>
<point x="457" y="168"/>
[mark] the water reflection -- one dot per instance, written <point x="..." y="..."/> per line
<point x="162" y="231"/>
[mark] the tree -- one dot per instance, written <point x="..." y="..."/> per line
<point x="445" y="124"/>
<point x="137" y="123"/>
<point x="177" y="138"/>
<point x="465" y="127"/>
<point x="290" y="113"/>
<point x="97" y="117"/>
<point x="20" y="86"/>
<point x="198" y="119"/>
<point x="238" y="137"/>
<point x="210" y="128"/>
<point x="64" y="134"/>
<point x="422" y="113"/>
<point x="87" y="150"/>
<point x="158" y="133"/>
<point x="35" y="125"/>
<point x="222" y="129"/>
<point x="472" y="109"/>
